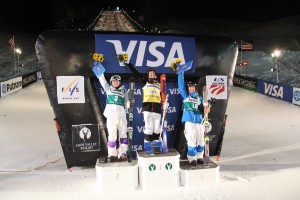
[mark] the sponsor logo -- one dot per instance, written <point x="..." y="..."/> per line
<point x="273" y="90"/>
<point x="297" y="95"/>
<point x="174" y="91"/>
<point x="168" y="166"/>
<point x="10" y="87"/>
<point x="142" y="50"/>
<point x="171" y="128"/>
<point x="152" y="167"/>
<point x="140" y="128"/>
<point x="71" y="88"/>
<point x="175" y="51"/>
<point x="137" y="147"/>
<point x="246" y="83"/>
<point x="217" y="86"/>
<point x="29" y="79"/>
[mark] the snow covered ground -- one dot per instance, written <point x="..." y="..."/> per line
<point x="260" y="157"/>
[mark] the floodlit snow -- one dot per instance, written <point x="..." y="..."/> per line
<point x="260" y="157"/>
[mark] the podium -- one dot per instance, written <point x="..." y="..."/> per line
<point x="120" y="175"/>
<point x="198" y="175"/>
<point x="157" y="171"/>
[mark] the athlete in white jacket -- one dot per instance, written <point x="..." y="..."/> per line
<point x="115" y="113"/>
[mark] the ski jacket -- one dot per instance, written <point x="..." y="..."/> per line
<point x="192" y="103"/>
<point x="151" y="103"/>
<point x="116" y="101"/>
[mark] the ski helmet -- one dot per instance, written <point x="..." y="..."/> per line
<point x="191" y="83"/>
<point x="115" y="78"/>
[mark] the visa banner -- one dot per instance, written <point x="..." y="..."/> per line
<point x="145" y="51"/>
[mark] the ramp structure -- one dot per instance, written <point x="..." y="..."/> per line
<point x="65" y="60"/>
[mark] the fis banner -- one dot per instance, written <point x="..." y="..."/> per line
<point x="173" y="111"/>
<point x="217" y="87"/>
<point x="70" y="89"/>
<point x="145" y="51"/>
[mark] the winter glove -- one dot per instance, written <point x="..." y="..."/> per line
<point x="166" y="105"/>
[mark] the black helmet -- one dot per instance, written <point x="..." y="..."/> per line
<point x="150" y="69"/>
<point x="115" y="77"/>
<point x="191" y="83"/>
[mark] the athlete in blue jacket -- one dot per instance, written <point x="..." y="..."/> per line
<point x="192" y="118"/>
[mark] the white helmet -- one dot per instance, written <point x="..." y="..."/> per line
<point x="115" y="77"/>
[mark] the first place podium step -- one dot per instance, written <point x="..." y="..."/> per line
<point x="158" y="171"/>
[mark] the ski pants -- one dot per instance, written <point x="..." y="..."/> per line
<point x="115" y="126"/>
<point x="194" y="134"/>
<point x="152" y="125"/>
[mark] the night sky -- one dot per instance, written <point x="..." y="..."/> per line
<point x="27" y="15"/>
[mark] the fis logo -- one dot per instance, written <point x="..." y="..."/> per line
<point x="71" y="88"/>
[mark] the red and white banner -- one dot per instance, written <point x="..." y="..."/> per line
<point x="246" y="45"/>
<point x="217" y="87"/>
<point x="12" y="42"/>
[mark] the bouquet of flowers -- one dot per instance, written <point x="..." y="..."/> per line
<point x="123" y="57"/>
<point x="98" y="57"/>
<point x="175" y="64"/>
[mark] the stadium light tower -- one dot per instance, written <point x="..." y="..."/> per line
<point x="275" y="55"/>
<point x="18" y="52"/>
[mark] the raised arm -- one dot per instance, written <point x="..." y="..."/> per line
<point x="181" y="85"/>
<point x="137" y="75"/>
<point x="104" y="83"/>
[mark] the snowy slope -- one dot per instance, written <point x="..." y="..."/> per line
<point x="260" y="156"/>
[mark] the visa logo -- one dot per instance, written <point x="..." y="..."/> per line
<point x="273" y="90"/>
<point x="156" y="49"/>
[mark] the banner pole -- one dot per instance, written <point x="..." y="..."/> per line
<point x="15" y="55"/>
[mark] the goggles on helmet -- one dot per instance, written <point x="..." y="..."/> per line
<point x="115" y="78"/>
<point x="191" y="83"/>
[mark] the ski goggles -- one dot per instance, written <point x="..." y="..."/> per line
<point x="115" y="78"/>
<point x="191" y="83"/>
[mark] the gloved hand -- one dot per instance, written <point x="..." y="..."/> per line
<point x="166" y="105"/>
<point x="127" y="105"/>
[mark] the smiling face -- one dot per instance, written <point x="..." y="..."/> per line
<point x="115" y="83"/>
<point x="152" y="74"/>
<point x="192" y="88"/>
